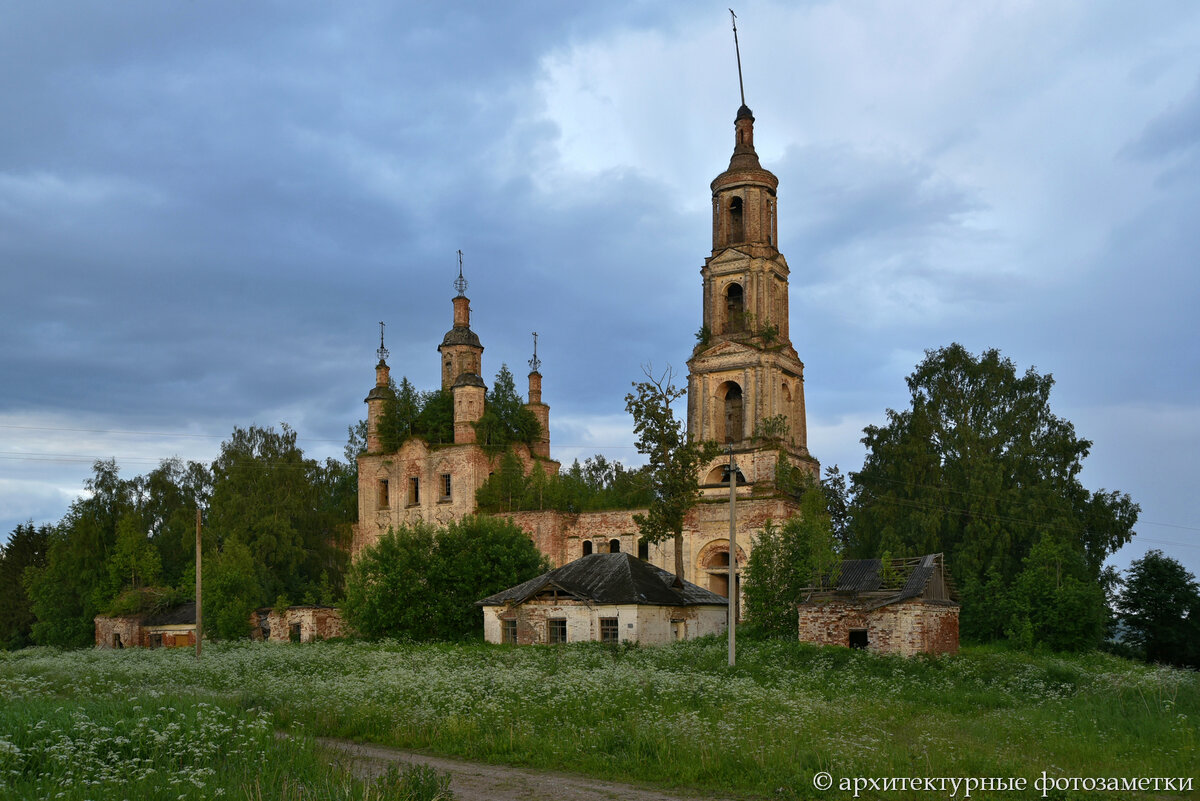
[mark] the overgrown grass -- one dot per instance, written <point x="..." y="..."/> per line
<point x="671" y="715"/>
<point x="166" y="746"/>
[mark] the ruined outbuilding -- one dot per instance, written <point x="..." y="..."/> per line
<point x="296" y="624"/>
<point x="908" y="606"/>
<point x="172" y="628"/>
<point x="604" y="597"/>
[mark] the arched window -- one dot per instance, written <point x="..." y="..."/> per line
<point x="737" y="228"/>
<point x="587" y="547"/>
<point x="614" y="546"/>
<point x="733" y="413"/>
<point x="735" y="308"/>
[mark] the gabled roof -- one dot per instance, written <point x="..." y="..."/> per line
<point x="923" y="576"/>
<point x="610" y="578"/>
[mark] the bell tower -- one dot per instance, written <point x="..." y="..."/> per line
<point x="745" y="380"/>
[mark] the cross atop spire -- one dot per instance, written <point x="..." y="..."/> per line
<point x="382" y="352"/>
<point x="460" y="283"/>
<point x="535" y="363"/>
<point x="738" y="51"/>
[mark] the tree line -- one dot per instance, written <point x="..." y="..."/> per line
<point x="274" y="529"/>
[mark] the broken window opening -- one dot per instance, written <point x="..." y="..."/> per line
<point x="858" y="638"/>
<point x="614" y="546"/>
<point x="643" y="549"/>
<point x="445" y="487"/>
<point x="587" y="547"/>
<point x="556" y="630"/>
<point x="737" y="228"/>
<point x="608" y="629"/>
<point x="508" y="630"/>
<point x="735" y="308"/>
<point x="414" y="491"/>
<point x="116" y="641"/>
<point x="733" y="415"/>
<point x="384" y="499"/>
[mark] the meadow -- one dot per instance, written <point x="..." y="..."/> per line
<point x="161" y="725"/>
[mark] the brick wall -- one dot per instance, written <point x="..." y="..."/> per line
<point x="907" y="628"/>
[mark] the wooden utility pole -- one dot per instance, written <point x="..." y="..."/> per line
<point x="733" y="587"/>
<point x="199" y="626"/>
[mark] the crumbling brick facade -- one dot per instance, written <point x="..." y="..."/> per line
<point x="297" y="624"/>
<point x="909" y="627"/>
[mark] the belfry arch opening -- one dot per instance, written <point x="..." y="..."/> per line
<point x="737" y="225"/>
<point x="735" y="308"/>
<point x="730" y="418"/>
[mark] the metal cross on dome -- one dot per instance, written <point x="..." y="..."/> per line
<point x="535" y="363"/>
<point x="382" y="352"/>
<point x="460" y="283"/>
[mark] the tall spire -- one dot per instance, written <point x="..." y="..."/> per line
<point x="738" y="51"/>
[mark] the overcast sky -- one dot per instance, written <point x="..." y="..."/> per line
<point x="206" y="208"/>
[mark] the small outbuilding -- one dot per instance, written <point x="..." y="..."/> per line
<point x="172" y="628"/>
<point x="605" y="597"/>
<point x="907" y="606"/>
<point x="303" y="623"/>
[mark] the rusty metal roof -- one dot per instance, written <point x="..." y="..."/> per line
<point x="910" y="578"/>
<point x="611" y="578"/>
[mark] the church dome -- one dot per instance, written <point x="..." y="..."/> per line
<point x="461" y="335"/>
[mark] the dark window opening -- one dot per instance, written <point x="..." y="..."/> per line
<point x="414" y="491"/>
<point x="741" y="477"/>
<point x="384" y="500"/>
<point x="733" y="416"/>
<point x="445" y="486"/>
<point x="294" y="632"/>
<point x="508" y="630"/>
<point x="156" y="640"/>
<point x="735" y="308"/>
<point x="737" y="228"/>
<point x="587" y="547"/>
<point x="608" y="629"/>
<point x="614" y="546"/>
<point x="858" y="638"/>
<point x="643" y="549"/>
<point x="117" y="640"/>
<point x="557" y="630"/>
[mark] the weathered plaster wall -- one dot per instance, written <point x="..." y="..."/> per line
<point x="643" y="624"/>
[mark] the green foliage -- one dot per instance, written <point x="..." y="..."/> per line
<point x="1056" y="600"/>
<point x="231" y="590"/>
<point x="980" y="469"/>
<point x="291" y="513"/>
<point x="596" y="484"/>
<point x="398" y="421"/>
<point x="787" y="711"/>
<point x="422" y="582"/>
<point x="505" y="419"/>
<point x="674" y="460"/>
<point x="75" y="584"/>
<point x="786" y="560"/>
<point x="26" y="548"/>
<point x="156" y="746"/>
<point x="775" y="427"/>
<point x="1160" y="610"/>
<point x="703" y="335"/>
<point x="148" y="600"/>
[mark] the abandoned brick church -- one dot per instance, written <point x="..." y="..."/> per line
<point x="745" y="389"/>
<point x="745" y="382"/>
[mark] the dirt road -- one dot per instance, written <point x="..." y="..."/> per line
<point x="475" y="781"/>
